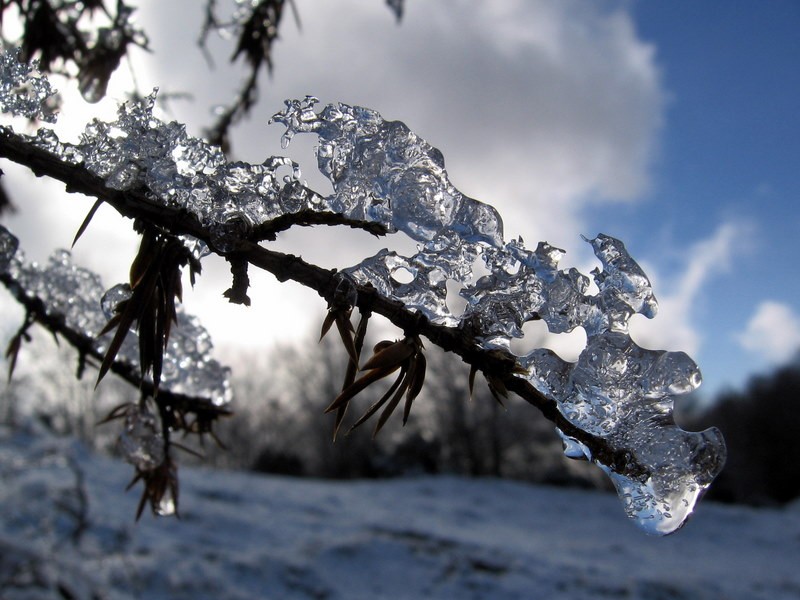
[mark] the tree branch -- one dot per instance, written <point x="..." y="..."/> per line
<point x="139" y="204"/>
<point x="85" y="345"/>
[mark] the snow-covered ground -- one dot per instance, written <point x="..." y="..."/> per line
<point x="67" y="531"/>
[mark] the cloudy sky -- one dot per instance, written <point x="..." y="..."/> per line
<point x="670" y="125"/>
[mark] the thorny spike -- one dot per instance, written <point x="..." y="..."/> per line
<point x="392" y="405"/>
<point x="416" y="381"/>
<point x="473" y="370"/>
<point x="330" y="317"/>
<point x="380" y="402"/>
<point x="352" y="369"/>
<point x="86" y="221"/>
<point x="405" y="354"/>
<point x="359" y="385"/>
<point x="15" y="343"/>
<point x="498" y="389"/>
<point x="341" y="316"/>
<point x="155" y="284"/>
<point x="346" y="332"/>
<point x="391" y="355"/>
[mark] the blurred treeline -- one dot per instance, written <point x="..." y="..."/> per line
<point x="279" y="425"/>
<point x="761" y="425"/>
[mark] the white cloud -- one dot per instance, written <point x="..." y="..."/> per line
<point x="675" y="326"/>
<point x="773" y="332"/>
<point x="537" y="105"/>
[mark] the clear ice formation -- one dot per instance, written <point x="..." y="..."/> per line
<point x="617" y="390"/>
<point x="142" y="441"/>
<point x="383" y="173"/>
<point x="142" y="444"/>
<point x="77" y="296"/>
<point x="181" y="171"/>
<point x="22" y="92"/>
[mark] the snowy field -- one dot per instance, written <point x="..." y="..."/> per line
<point x="244" y="536"/>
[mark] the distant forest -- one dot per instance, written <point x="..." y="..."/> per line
<point x="761" y="425"/>
<point x="279" y="426"/>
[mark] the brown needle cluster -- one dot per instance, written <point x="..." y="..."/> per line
<point x="403" y="357"/>
<point x="155" y="284"/>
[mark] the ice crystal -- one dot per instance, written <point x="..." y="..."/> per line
<point x="383" y="172"/>
<point x="77" y="296"/>
<point x="617" y="390"/>
<point x="22" y="92"/>
<point x="624" y="394"/>
<point x="166" y="505"/>
<point x="8" y="249"/>
<point x="141" y="441"/>
<point x="180" y="171"/>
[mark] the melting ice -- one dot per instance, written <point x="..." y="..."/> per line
<point x="382" y="172"/>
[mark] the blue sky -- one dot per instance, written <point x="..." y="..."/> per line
<point x="670" y="125"/>
<point x="727" y="154"/>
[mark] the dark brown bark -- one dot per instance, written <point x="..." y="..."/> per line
<point x="139" y="204"/>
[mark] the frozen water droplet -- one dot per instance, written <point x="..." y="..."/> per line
<point x="230" y="229"/>
<point x="345" y="293"/>
<point x="113" y="296"/>
<point x="655" y="512"/>
<point x="167" y="505"/>
<point x="197" y="248"/>
<point x="93" y="89"/>
<point x="141" y="440"/>
<point x="623" y="393"/>
<point x="573" y="448"/>
<point x="8" y="248"/>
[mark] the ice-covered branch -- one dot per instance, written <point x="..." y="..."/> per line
<point x="72" y="303"/>
<point x="613" y="406"/>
